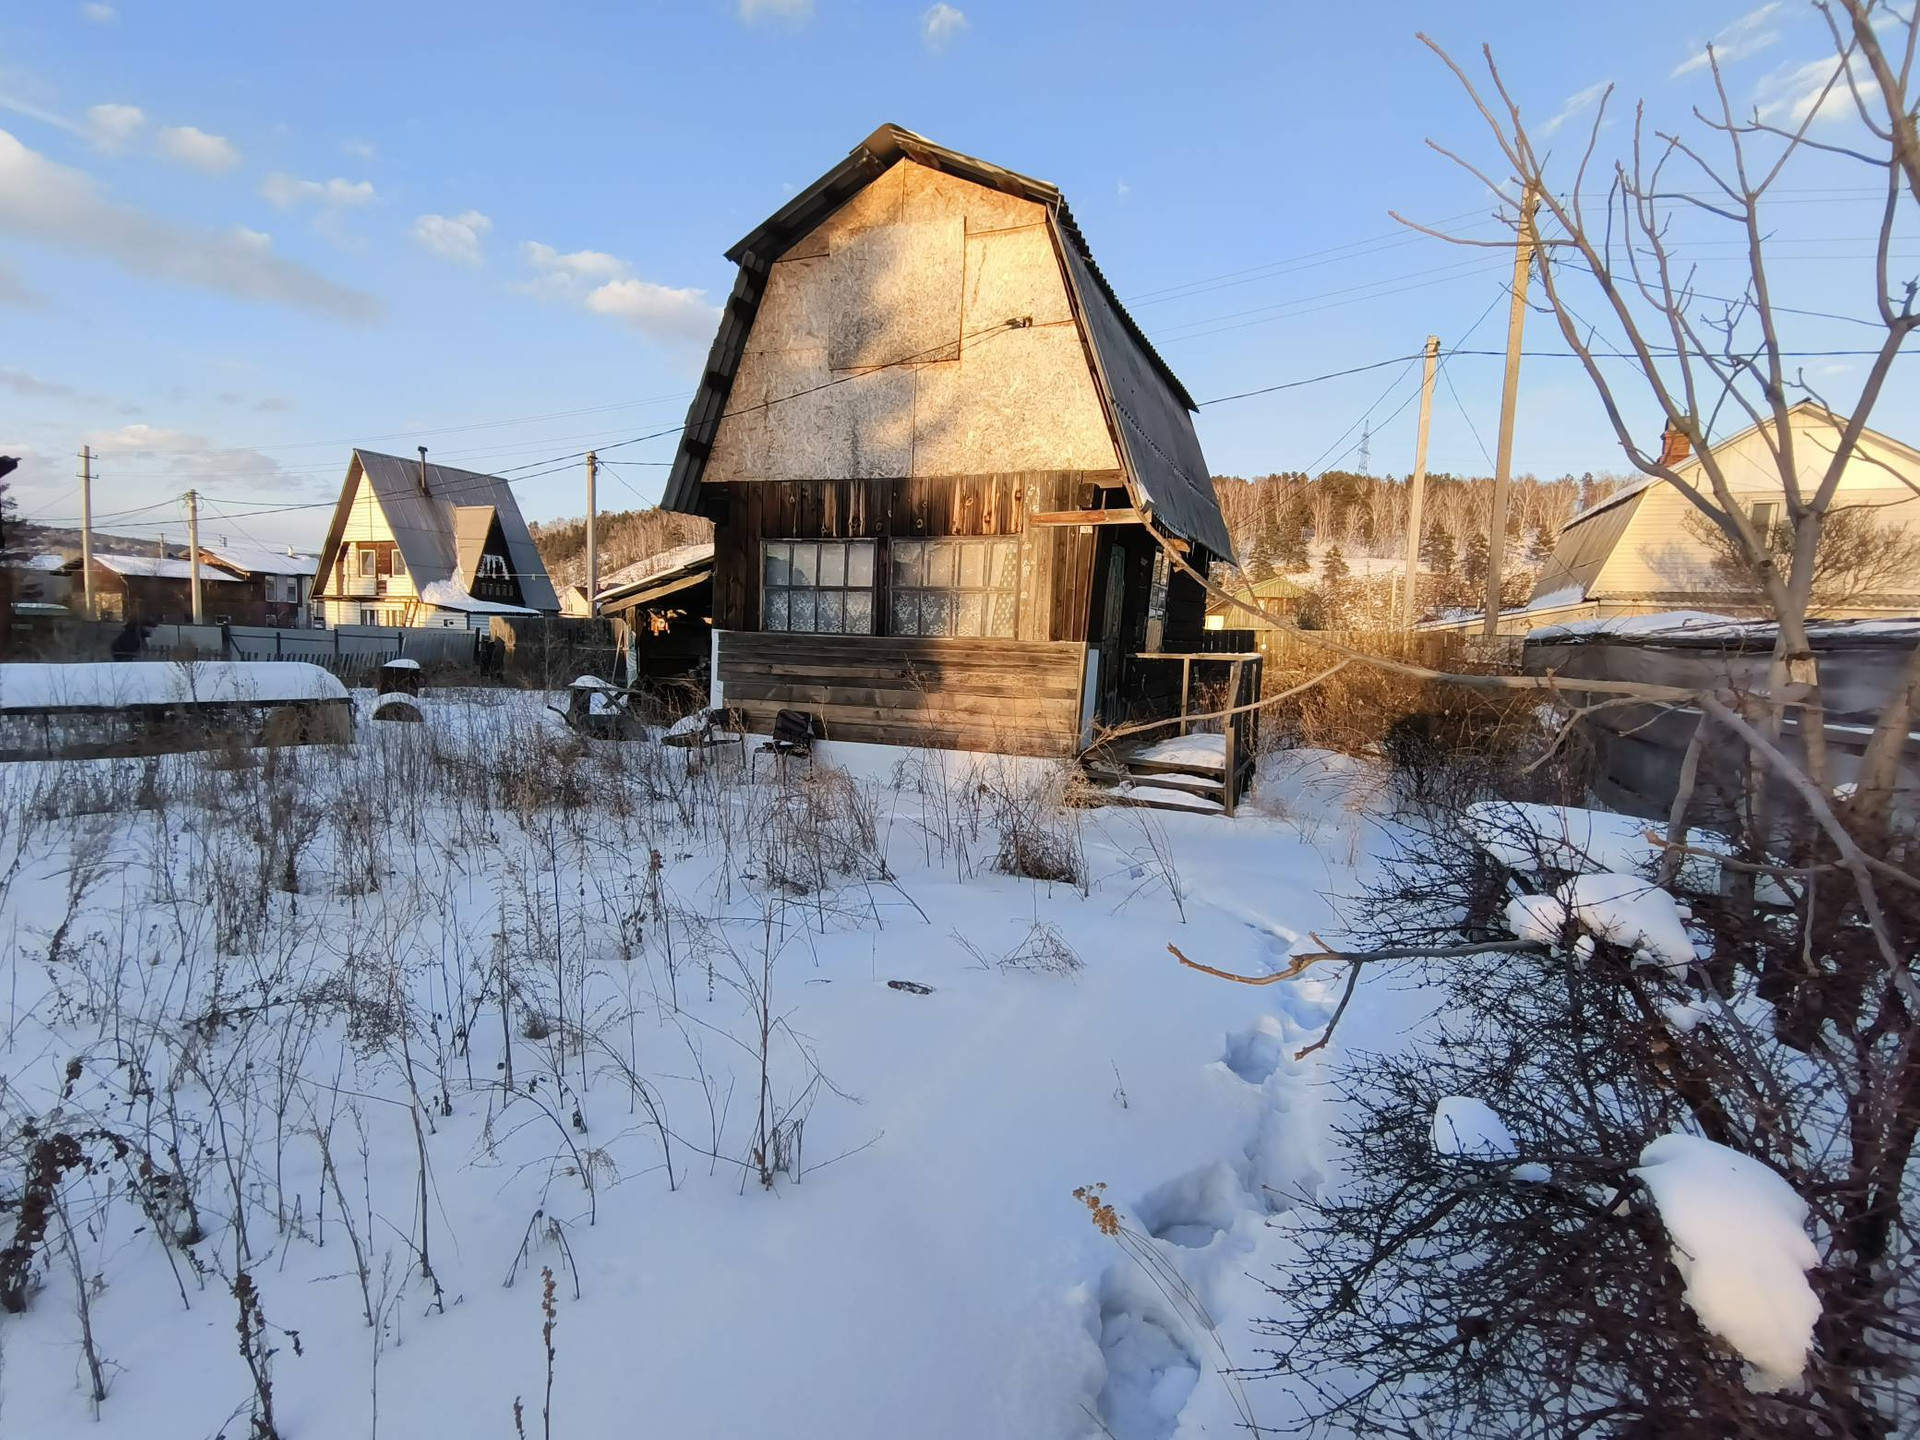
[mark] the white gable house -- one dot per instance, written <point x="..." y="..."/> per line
<point x="418" y="544"/>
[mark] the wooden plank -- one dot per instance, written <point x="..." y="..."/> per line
<point x="759" y="719"/>
<point x="1046" y="712"/>
<point x="790" y="646"/>
<point x="987" y="684"/>
<point x="1086" y="517"/>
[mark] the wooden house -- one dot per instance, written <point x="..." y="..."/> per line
<point x="278" y="581"/>
<point x="939" y="455"/>
<point x="153" y="590"/>
<point x="418" y="544"/>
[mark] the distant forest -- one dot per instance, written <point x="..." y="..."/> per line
<point x="1343" y="536"/>
<point x="625" y="536"/>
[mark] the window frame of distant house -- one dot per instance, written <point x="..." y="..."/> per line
<point x="832" y="580"/>
<point x="370" y="615"/>
<point x="1765" y="515"/>
<point x="369" y="562"/>
<point x="491" y="567"/>
<point x="966" y="587"/>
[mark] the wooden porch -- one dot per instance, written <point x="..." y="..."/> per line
<point x="1200" y="760"/>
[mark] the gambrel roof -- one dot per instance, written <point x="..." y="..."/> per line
<point x="434" y="520"/>
<point x="1148" y="410"/>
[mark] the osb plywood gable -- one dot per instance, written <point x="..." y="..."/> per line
<point x="894" y="294"/>
<point x="917" y="262"/>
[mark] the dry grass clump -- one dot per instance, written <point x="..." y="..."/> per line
<point x="1039" y="831"/>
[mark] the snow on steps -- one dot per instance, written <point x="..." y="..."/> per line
<point x="1184" y="772"/>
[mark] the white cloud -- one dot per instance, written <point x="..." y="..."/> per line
<point x="97" y="14"/>
<point x="190" y="145"/>
<point x="453" y="237"/>
<point x="362" y="150"/>
<point x="190" y="456"/>
<point x="112" y="127"/>
<point x="16" y="292"/>
<point x="1791" y="94"/>
<point x="940" y="24"/>
<point x="662" y="311"/>
<point x="55" y="205"/>
<point x="1749" y="35"/>
<point x="1575" y="103"/>
<point x="32" y="387"/>
<point x="606" y="285"/>
<point x="1122" y="189"/>
<point x="287" y="191"/>
<point x="752" y="11"/>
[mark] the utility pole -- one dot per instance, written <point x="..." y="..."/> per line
<point x="1417" y="485"/>
<point x="86" y="527"/>
<point x="1509" y="393"/>
<point x="193" y="552"/>
<point x="593" y="532"/>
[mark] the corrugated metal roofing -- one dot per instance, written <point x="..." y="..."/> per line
<point x="1151" y="409"/>
<point x="423" y="522"/>
<point x="1583" y="547"/>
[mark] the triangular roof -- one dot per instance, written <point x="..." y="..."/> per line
<point x="1587" y="540"/>
<point x="424" y="523"/>
<point x="1148" y="408"/>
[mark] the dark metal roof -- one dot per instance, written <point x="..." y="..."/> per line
<point x="1155" y="397"/>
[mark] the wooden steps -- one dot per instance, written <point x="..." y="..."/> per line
<point x="1166" y="776"/>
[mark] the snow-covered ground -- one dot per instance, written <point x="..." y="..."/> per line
<point x="297" y="989"/>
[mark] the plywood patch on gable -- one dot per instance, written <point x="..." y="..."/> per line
<point x="894" y="294"/>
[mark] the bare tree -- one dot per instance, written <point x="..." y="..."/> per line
<point x="1859" y="559"/>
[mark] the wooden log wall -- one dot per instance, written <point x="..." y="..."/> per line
<point x="1056" y="561"/>
<point x="1006" y="696"/>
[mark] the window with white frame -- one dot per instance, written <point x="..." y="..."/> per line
<point x="822" y="587"/>
<point x="492" y="567"/>
<point x="369" y="562"/>
<point x="955" y="587"/>
<point x="1765" y="515"/>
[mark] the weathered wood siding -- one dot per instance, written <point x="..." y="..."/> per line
<point x="1006" y="696"/>
<point x="1056" y="561"/>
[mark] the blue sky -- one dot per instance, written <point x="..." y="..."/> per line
<point x="237" y="238"/>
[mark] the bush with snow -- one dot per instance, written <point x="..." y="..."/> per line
<point x="1740" y="1244"/>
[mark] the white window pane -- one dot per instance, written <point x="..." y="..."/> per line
<point x="939" y="565"/>
<point x="906" y="613"/>
<point x="828" y="612"/>
<point x="806" y="563"/>
<point x="906" y="561"/>
<point x="859" y="612"/>
<point x="968" y="612"/>
<point x="860" y="563"/>
<point x="1006" y="565"/>
<point x="776" y="610"/>
<point x="936" y="612"/>
<point x="973" y="566"/>
<point x="1000" y="621"/>
<point x="802" y="610"/>
<point x="779" y="560"/>
<point x="833" y="566"/>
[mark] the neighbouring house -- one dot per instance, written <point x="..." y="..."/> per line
<point x="417" y="544"/>
<point x="39" y="583"/>
<point x="157" y="591"/>
<point x="1646" y="549"/>
<point x="662" y="611"/>
<point x="937" y="451"/>
<point x="1277" y="596"/>
<point x="574" y="602"/>
<point x="279" y="581"/>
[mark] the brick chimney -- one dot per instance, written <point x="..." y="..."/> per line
<point x="1674" y="446"/>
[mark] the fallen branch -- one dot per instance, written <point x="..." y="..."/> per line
<point x="1315" y="957"/>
